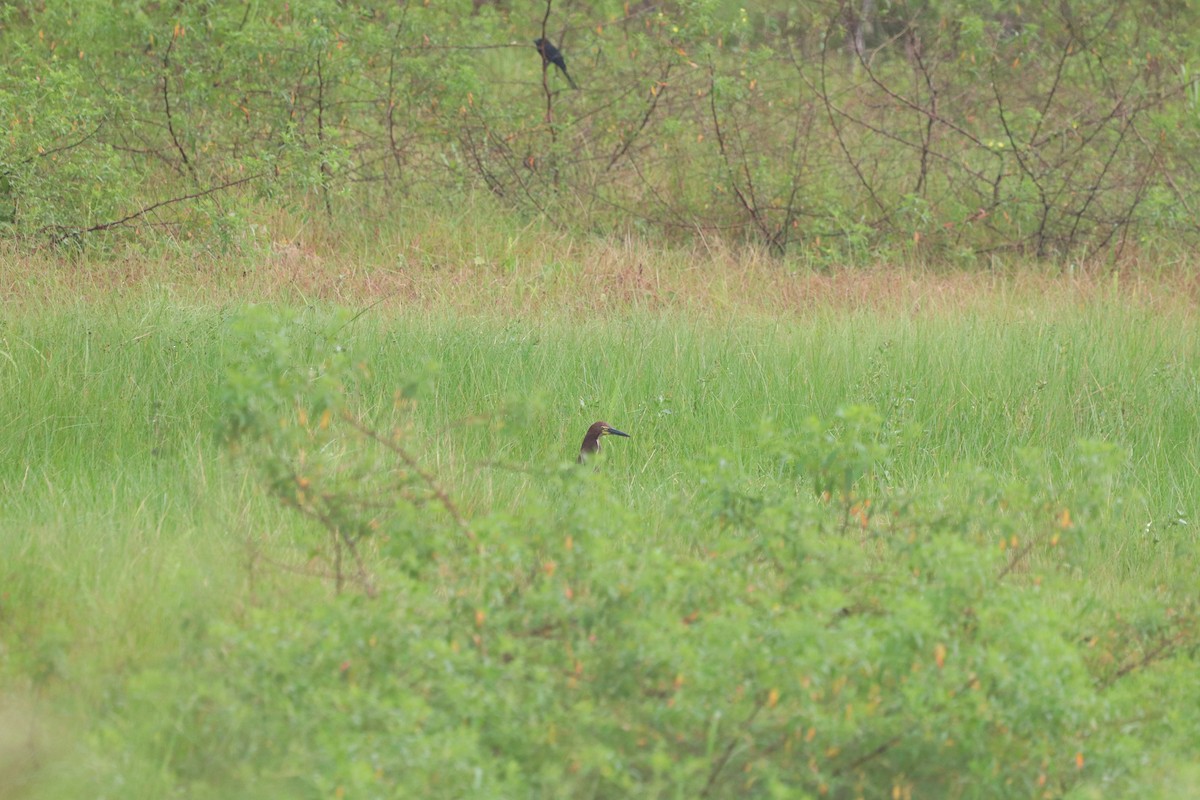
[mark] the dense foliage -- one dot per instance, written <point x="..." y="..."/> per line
<point x="833" y="129"/>
<point x="815" y="631"/>
<point x="273" y="553"/>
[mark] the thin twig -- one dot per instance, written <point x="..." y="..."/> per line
<point x="755" y="216"/>
<point x="658" y="91"/>
<point x="104" y="226"/>
<point x="545" y="74"/>
<point x="391" y="95"/>
<point x="837" y="131"/>
<point x="166" y="94"/>
<point x="326" y="172"/>
<point x="62" y="148"/>
<point x="1163" y="648"/>
<point x="430" y="481"/>
<point x="888" y="744"/>
<point x="727" y="753"/>
<point x="1017" y="558"/>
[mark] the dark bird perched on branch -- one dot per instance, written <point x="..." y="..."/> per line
<point x="551" y="55"/>
<point x="591" y="442"/>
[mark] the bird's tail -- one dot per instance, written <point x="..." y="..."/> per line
<point x="574" y="85"/>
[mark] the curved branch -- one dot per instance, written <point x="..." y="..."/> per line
<point x="104" y="226"/>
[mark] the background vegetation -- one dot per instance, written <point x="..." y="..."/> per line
<point x="306" y="307"/>
<point x="831" y="131"/>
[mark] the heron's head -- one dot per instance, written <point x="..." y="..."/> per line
<point x="604" y="429"/>
<point x="591" y="442"/>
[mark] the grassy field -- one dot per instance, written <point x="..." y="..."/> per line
<point x="161" y="638"/>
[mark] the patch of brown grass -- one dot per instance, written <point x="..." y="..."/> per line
<point x="452" y="266"/>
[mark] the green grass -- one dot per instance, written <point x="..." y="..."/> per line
<point x="94" y="388"/>
<point x="129" y="531"/>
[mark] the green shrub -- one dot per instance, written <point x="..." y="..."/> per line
<point x="856" y="640"/>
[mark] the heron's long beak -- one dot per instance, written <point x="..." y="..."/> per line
<point x="616" y="432"/>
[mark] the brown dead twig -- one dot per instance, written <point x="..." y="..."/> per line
<point x="410" y="461"/>
<point x="74" y="233"/>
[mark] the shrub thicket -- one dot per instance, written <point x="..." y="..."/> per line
<point x="837" y="128"/>
<point x="820" y="633"/>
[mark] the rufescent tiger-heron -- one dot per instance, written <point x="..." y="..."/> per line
<point x="591" y="442"/>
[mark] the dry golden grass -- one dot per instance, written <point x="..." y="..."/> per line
<point x="473" y="267"/>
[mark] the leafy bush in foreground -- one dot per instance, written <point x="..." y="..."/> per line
<point x="821" y="633"/>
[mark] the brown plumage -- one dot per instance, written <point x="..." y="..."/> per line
<point x="591" y="442"/>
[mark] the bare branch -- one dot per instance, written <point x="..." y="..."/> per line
<point x="104" y="226"/>
<point x="166" y="95"/>
<point x="434" y="486"/>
